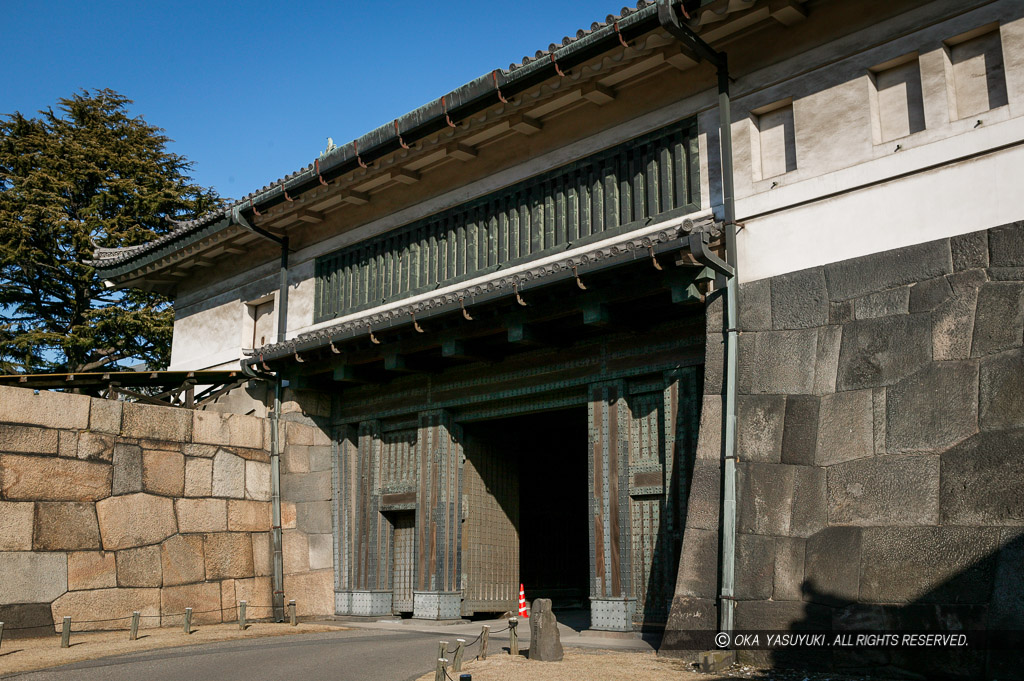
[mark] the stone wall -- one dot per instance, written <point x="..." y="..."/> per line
<point x="108" y="507"/>
<point x="881" y="449"/>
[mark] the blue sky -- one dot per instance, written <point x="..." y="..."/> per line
<point x="250" y="91"/>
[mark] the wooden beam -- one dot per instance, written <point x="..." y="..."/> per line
<point x="456" y="349"/>
<point x="597" y="93"/>
<point x="310" y="216"/>
<point x="682" y="58"/>
<point x="787" y="12"/>
<point x="396" y="363"/>
<point x="525" y="124"/>
<point x="354" y="197"/>
<point x="404" y="175"/>
<point x="347" y="374"/>
<point x="521" y="334"/>
<point x="595" y="314"/>
<point x="459" y="151"/>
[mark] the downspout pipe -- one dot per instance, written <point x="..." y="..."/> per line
<point x="668" y="16"/>
<point x="276" y="538"/>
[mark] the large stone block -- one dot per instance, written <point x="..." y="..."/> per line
<point x="885" y="490"/>
<point x="257" y="593"/>
<point x="204" y="599"/>
<point x="809" y="505"/>
<point x="826" y="363"/>
<point x="714" y="363"/>
<point x="877" y="352"/>
<point x="314" y="516"/>
<point x="95" y="446"/>
<point x="44" y="408"/>
<point x="163" y="472"/>
<point x="969" y="250"/>
<point x="321" y="551"/>
<point x="295" y="547"/>
<point x="686" y="616"/>
<point x="139" y="567"/>
<point x="789" y="569"/>
<point x="778" y="361"/>
<point x="320" y="458"/>
<point x="925" y="296"/>
<point x="228" y="555"/>
<point x="228" y="602"/>
<point x="1006" y="245"/>
<point x="67" y="444"/>
<point x="40" y="478"/>
<point x="262" y="554"/>
<point x="248" y="516"/>
<point x="201" y="515"/>
<point x="198" y="477"/>
<point x="999" y="320"/>
<point x="698" y="561"/>
<point x="182" y="559"/>
<point x="25" y="620"/>
<point x="16" y="521"/>
<point x="245" y="431"/>
<point x="1001" y="395"/>
<point x="953" y="320"/>
<point x="799" y="300"/>
<point x="109" y="604"/>
<point x="832" y="566"/>
<point x="709" y="435"/>
<point x="313" y="592"/>
<point x="18" y="438"/>
<point x="105" y="416"/>
<point x="981" y="480"/>
<point x="928" y="564"/>
<point x="781" y="616"/>
<point x="156" y="423"/>
<point x="755" y="566"/>
<point x="127" y="469"/>
<point x="883" y="304"/>
<point x="288" y="515"/>
<point x="704" y="502"/>
<point x="934" y="408"/>
<point x="545" y="643"/>
<point x="135" y="520"/>
<point x="1007" y="604"/>
<point x="755" y="305"/>
<point x="298" y="434"/>
<point x="765" y="498"/>
<point x="295" y="459"/>
<point x="228" y="475"/>
<point x="760" y="424"/>
<point x="32" y="577"/>
<point x="888" y="269"/>
<point x="800" y="432"/>
<point x="65" y="526"/>
<point x="91" y="570"/>
<point x="257" y="480"/>
<point x="210" y="427"/>
<point x="306" y="486"/>
<point x="845" y="427"/>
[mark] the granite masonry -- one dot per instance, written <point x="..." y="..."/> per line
<point x="881" y="452"/>
<point x="108" y="507"/>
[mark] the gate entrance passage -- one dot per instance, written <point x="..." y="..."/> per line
<point x="547" y="504"/>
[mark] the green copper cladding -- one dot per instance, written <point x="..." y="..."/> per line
<point x="604" y="194"/>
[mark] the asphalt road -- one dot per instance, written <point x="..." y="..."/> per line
<point x="356" y="655"/>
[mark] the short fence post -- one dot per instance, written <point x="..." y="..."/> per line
<point x="291" y="611"/>
<point x="1" y="633"/>
<point x="65" y="633"/>
<point x="483" y="641"/>
<point x="241" y="614"/>
<point x="457" y="664"/>
<point x="439" y="673"/>
<point x="513" y="637"/>
<point x="442" y="649"/>
<point x="188" y="621"/>
<point x="135" y="626"/>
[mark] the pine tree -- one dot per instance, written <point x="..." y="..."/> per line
<point x="88" y="175"/>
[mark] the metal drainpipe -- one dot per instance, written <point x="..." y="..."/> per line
<point x="277" y="597"/>
<point x="669" y="19"/>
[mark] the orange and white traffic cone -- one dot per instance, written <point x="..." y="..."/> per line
<point x="522" y="602"/>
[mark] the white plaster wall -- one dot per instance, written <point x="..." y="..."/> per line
<point x="847" y="197"/>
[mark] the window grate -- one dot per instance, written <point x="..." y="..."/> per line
<point x="613" y="191"/>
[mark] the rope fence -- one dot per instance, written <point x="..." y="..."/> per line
<point x="441" y="670"/>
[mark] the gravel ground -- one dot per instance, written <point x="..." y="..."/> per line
<point x="26" y="654"/>
<point x="592" y="665"/>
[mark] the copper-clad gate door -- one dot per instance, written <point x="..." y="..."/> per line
<point x="404" y="560"/>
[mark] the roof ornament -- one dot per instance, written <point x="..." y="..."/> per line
<point x="558" y="69"/>
<point x="373" y="339"/>
<point x="331" y="146"/>
<point x="359" y="159"/>
<point x="316" y="164"/>
<point x="444" y="106"/>
<point x="515" y="289"/>
<point x="400" y="140"/>
<point x="285" y="192"/>
<point x="465" y="312"/>
<point x="619" y="33"/>
<point x="252" y="204"/>
<point x="494" y="77"/>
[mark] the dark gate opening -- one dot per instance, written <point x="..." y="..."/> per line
<point x="549" y="450"/>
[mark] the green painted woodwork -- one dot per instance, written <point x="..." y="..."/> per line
<point x="611" y="192"/>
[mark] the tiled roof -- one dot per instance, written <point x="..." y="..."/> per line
<point x="708" y="10"/>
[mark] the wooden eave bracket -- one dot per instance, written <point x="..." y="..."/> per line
<point x="787" y="12"/>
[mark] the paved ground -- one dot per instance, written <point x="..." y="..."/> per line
<point x="357" y="655"/>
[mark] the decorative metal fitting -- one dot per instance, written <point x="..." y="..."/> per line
<point x="494" y="77"/>
<point x="654" y="260"/>
<point x="619" y="33"/>
<point x="400" y="140"/>
<point x="285" y="192"/>
<point x="252" y="203"/>
<point x="444" y="106"/>
<point x="334" y="349"/>
<point x="319" y="176"/>
<point x="465" y="312"/>
<point x="359" y="159"/>
<point x="558" y="69"/>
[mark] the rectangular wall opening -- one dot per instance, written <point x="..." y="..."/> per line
<point x="976" y="77"/>
<point x="897" y="104"/>
<point x="773" y="139"/>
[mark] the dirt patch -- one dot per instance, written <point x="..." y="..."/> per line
<point x="591" y="665"/>
<point x="29" y="654"/>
